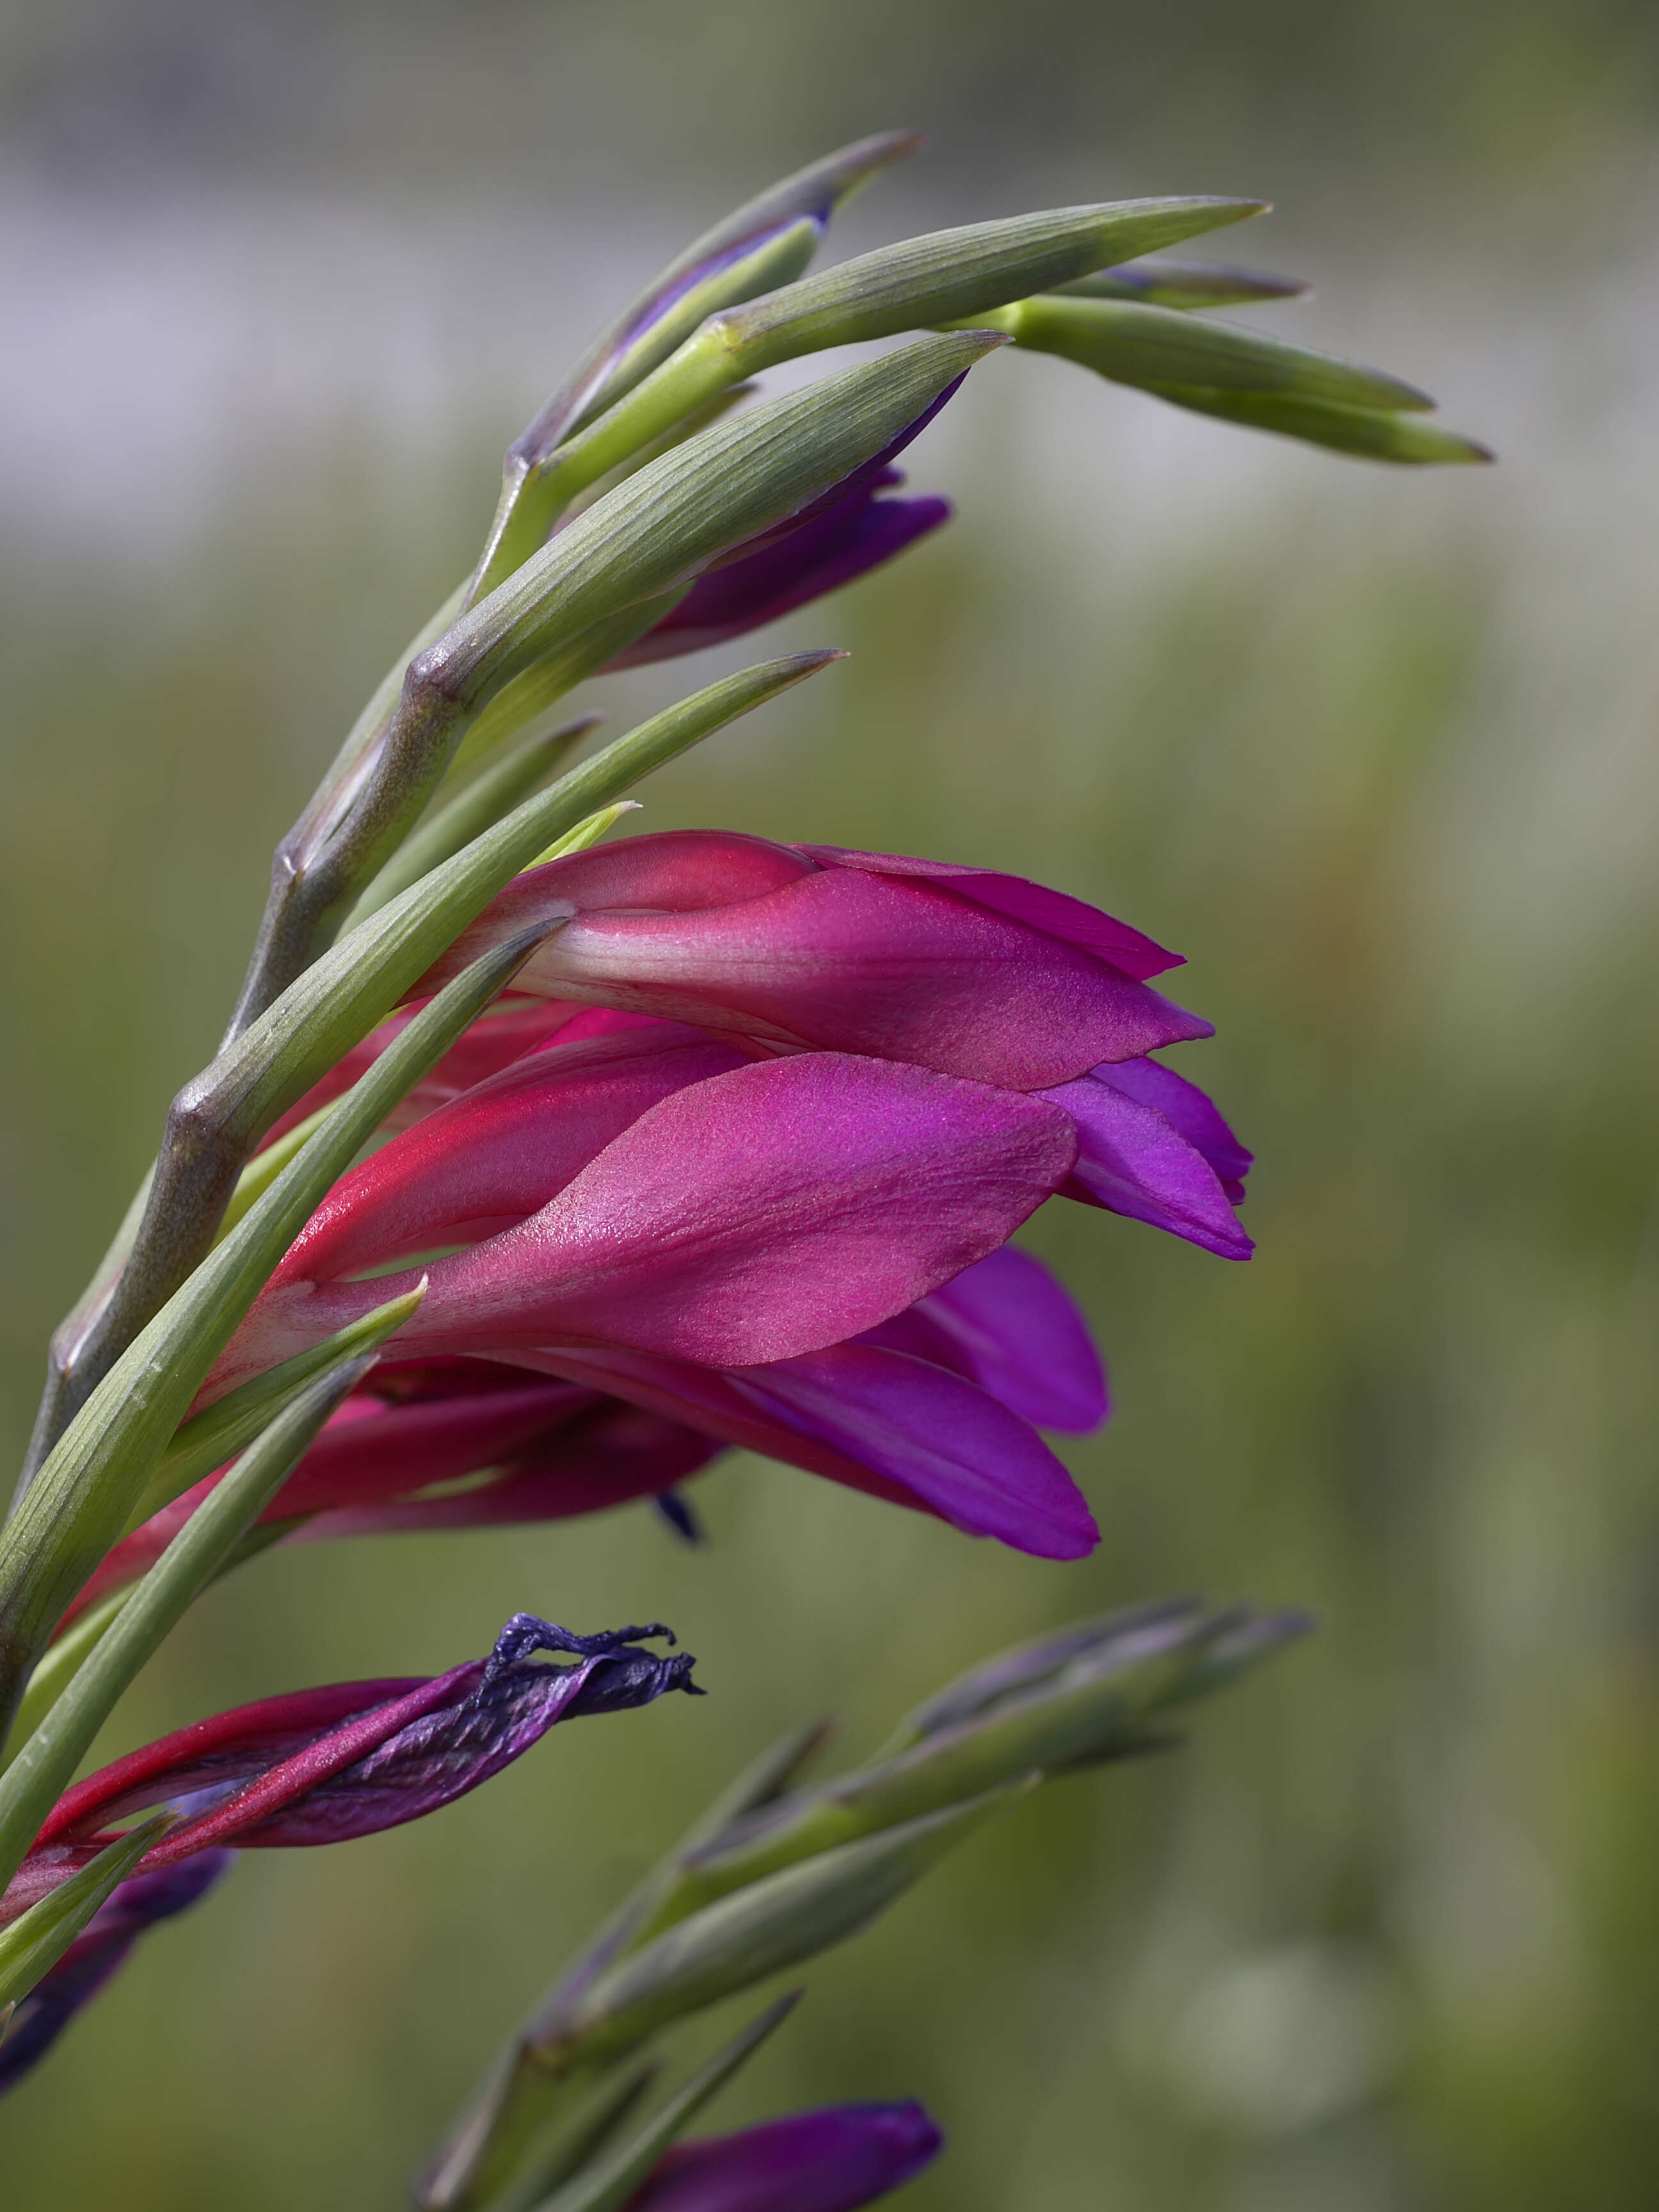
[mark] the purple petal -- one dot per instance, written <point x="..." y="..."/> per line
<point x="833" y="2160"/>
<point x="97" y="1954"/>
<point x="1133" y="1160"/>
<point x="879" y="1421"/>
<point x="1190" y="1111"/>
<point x="1007" y="1325"/>
<point x="816" y="559"/>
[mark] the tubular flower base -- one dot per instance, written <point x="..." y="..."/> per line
<point x="97" y="1954"/>
<point x="833" y="2161"/>
<point x="321" y="1766"/>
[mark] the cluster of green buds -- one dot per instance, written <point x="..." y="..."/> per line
<point x="780" y="1870"/>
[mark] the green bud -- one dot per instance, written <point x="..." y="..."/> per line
<point x="1086" y="1696"/>
<point x="949" y="276"/>
<point x="1185" y="284"/>
<point x="1155" y="347"/>
<point x="1370" y="434"/>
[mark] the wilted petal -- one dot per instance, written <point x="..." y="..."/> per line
<point x="1010" y="1327"/>
<point x="322" y="1765"/>
<point x="828" y="2161"/>
<point x="1133" y="1160"/>
<point x="97" y="1954"/>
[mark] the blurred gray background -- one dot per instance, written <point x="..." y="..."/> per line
<point x="1374" y="750"/>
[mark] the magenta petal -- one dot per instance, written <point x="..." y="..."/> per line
<point x="1132" y="1161"/>
<point x="1055" y="913"/>
<point x="1190" y="1111"/>
<point x="835" y="2161"/>
<point x="600" y="1458"/>
<point x="1010" y="1327"/>
<point x="843" y="960"/>
<point x="764" y="1212"/>
<point x="509" y="1029"/>
<point x="751" y="1217"/>
<point x="500" y="1151"/>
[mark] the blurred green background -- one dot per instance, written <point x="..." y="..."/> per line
<point x="1373" y="749"/>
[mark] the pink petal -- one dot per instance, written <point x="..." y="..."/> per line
<point x="499" y="1152"/>
<point x="750" y="1217"/>
<point x="1055" y="913"/>
<point x="845" y="961"/>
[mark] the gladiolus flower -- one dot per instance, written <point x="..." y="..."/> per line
<point x="833" y="2161"/>
<point x="321" y="1766"/>
<point x="97" y="1954"/>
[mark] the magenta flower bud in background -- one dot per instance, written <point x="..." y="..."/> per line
<point x="833" y="2161"/>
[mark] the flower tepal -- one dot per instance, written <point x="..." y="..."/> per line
<point x="833" y="2160"/>
<point x="321" y="1766"/>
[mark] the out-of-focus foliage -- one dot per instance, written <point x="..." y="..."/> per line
<point x="1375" y="750"/>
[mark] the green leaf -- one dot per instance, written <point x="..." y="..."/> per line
<point x="612" y="2179"/>
<point x="502" y="785"/>
<point x="1187" y="284"/>
<point x="1370" y="434"/>
<point x="949" y="276"/>
<point x="37" y="1939"/>
<point x="45" y="1766"/>
<point x="80" y="1500"/>
<point x="1155" y="347"/>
